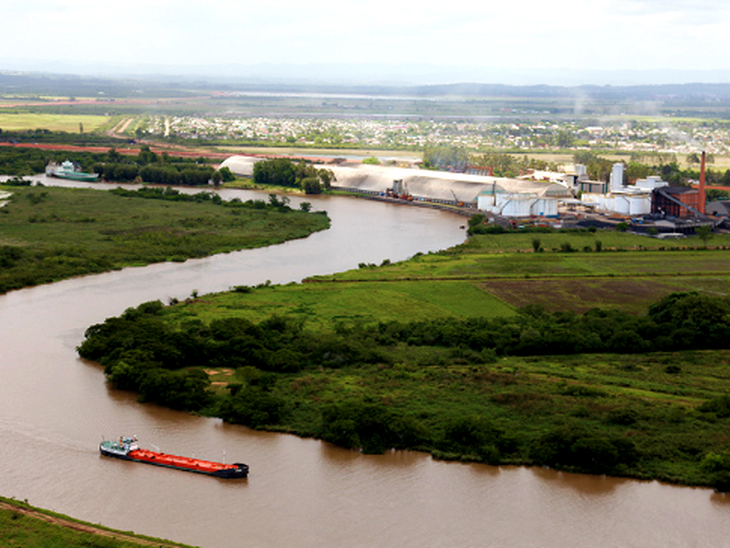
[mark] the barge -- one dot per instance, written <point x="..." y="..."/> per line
<point x="69" y="170"/>
<point x="128" y="449"/>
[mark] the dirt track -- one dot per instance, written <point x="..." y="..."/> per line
<point x="172" y="151"/>
<point x="82" y="527"/>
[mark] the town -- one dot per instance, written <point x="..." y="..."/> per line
<point x="640" y="137"/>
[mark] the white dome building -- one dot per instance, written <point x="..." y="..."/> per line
<point x="497" y="195"/>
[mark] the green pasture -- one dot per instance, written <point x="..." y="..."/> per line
<point x="51" y="122"/>
<point x="479" y="278"/>
<point x="549" y="264"/>
<point x="628" y="275"/>
<point x="322" y="306"/>
<point x="579" y="240"/>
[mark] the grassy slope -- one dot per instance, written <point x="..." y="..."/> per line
<point x="22" y="525"/>
<point x="523" y="396"/>
<point x="322" y="305"/>
<point x="67" y="232"/>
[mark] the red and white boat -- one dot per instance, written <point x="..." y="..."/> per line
<point x="128" y="449"/>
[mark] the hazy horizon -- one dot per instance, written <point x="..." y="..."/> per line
<point x="523" y="42"/>
<point x="369" y="75"/>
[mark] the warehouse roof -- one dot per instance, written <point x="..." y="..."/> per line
<point x="420" y="183"/>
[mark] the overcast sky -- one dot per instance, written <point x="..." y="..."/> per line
<point x="629" y="36"/>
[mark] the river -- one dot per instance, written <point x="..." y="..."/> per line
<point x="55" y="408"/>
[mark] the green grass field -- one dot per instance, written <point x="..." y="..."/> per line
<point x="485" y="277"/>
<point x="628" y="274"/>
<point x="322" y="306"/>
<point x="51" y="122"/>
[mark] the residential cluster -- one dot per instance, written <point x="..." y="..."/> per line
<point x="642" y="137"/>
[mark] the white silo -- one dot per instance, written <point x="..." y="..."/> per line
<point x="617" y="176"/>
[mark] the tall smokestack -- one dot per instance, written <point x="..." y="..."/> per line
<point x="702" y="184"/>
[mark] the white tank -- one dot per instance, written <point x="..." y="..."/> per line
<point x="617" y="176"/>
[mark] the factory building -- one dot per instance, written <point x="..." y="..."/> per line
<point x="497" y="195"/>
<point x="628" y="200"/>
<point x="522" y="198"/>
<point x="676" y="201"/>
<point x="719" y="208"/>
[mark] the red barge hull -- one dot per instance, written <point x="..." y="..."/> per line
<point x="187" y="464"/>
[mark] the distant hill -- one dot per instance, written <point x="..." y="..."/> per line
<point x="19" y="82"/>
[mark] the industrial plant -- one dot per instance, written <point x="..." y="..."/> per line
<point x="555" y="199"/>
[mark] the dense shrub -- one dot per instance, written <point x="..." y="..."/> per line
<point x="284" y="172"/>
<point x="368" y="426"/>
<point x="573" y="447"/>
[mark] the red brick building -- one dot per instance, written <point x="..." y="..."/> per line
<point x="671" y="201"/>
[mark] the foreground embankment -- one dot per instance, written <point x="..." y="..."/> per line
<point x="24" y="526"/>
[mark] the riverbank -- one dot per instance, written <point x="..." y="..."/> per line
<point x="25" y="526"/>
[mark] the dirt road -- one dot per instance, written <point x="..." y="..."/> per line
<point x="33" y="513"/>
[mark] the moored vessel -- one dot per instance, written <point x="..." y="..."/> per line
<point x="128" y="449"/>
<point x="69" y="170"/>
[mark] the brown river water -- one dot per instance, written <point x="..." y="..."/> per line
<point x="55" y="409"/>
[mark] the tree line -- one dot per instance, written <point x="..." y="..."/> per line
<point x="301" y="175"/>
<point x="146" y="166"/>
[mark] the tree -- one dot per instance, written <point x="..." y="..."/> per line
<point x="598" y="168"/>
<point x="476" y="221"/>
<point x="705" y="233"/>
<point x="564" y="139"/>
<point x="326" y="176"/>
<point x="226" y="174"/>
<point x="113" y="156"/>
<point x="146" y="156"/>
<point x="277" y="171"/>
<point x="713" y="195"/>
<point x="311" y="185"/>
<point x="636" y="170"/>
<point x="445" y="157"/>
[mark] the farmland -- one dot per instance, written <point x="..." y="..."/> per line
<point x="51" y="122"/>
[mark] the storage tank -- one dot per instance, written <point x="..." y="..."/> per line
<point x="617" y="176"/>
<point x="517" y="205"/>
